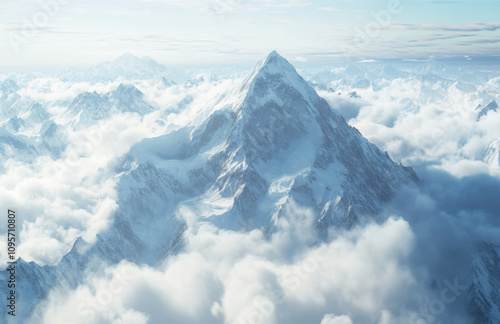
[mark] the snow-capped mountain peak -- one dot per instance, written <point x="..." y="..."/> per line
<point x="431" y="67"/>
<point x="8" y="86"/>
<point x="492" y="106"/>
<point x="279" y="134"/>
<point x="127" y="67"/>
<point x="128" y="61"/>
<point x="277" y="66"/>
<point x="273" y="79"/>
<point x="89" y="107"/>
<point x="127" y="58"/>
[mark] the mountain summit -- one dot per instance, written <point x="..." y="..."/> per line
<point x="271" y="143"/>
<point x="127" y="67"/>
<point x="492" y="106"/>
<point x="277" y="141"/>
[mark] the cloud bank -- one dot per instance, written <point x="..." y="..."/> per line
<point x="230" y="277"/>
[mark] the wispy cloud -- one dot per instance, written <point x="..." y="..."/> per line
<point x="482" y="41"/>
<point x="227" y="6"/>
<point x="472" y="27"/>
<point x="330" y="9"/>
<point x="445" y="2"/>
<point x="335" y="9"/>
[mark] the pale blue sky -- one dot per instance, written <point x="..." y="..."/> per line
<point x="84" y="32"/>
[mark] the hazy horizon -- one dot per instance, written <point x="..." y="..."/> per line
<point x="54" y="34"/>
<point x="480" y="62"/>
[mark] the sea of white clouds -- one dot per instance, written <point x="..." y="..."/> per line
<point x="229" y="277"/>
<point x="422" y="126"/>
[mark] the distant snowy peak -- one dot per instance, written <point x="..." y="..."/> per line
<point x="25" y="109"/>
<point x="431" y="67"/>
<point x="129" y="64"/>
<point x="130" y="61"/>
<point x="492" y="106"/>
<point x="127" y="67"/>
<point x="127" y="90"/>
<point x="391" y="73"/>
<point x="167" y="83"/>
<point x="35" y="114"/>
<point x="89" y="107"/>
<point x="8" y="86"/>
<point x="127" y="98"/>
<point x="19" y="145"/>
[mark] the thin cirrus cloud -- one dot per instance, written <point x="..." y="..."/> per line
<point x="472" y="27"/>
<point x="330" y="9"/>
<point x="334" y="9"/>
<point x="482" y="41"/>
<point x="216" y="29"/>
<point x="221" y="6"/>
